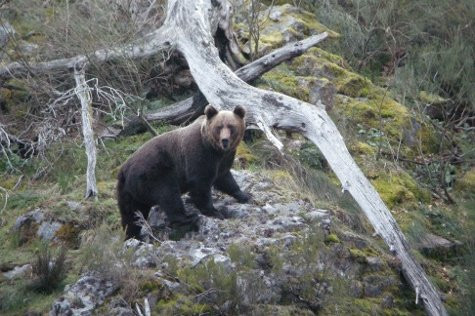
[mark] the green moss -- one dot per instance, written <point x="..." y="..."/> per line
<point x="368" y="306"/>
<point x="400" y="188"/>
<point x="273" y="39"/>
<point x="332" y="238"/>
<point x="69" y="234"/>
<point x="358" y="255"/>
<point x="245" y="156"/>
<point x="363" y="149"/>
<point x="281" y="80"/>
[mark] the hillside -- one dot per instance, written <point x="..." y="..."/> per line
<point x="301" y="247"/>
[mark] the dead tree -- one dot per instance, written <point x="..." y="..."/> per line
<point x="84" y="96"/>
<point x="189" y="28"/>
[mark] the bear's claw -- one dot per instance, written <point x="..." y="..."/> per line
<point x="243" y="197"/>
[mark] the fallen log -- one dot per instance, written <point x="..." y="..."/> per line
<point x="187" y="110"/>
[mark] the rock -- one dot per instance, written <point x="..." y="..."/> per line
<point x="28" y="48"/>
<point x="156" y="218"/>
<point x="119" y="307"/>
<point x="35" y="223"/>
<point x="388" y="301"/>
<point x="436" y="246"/>
<point x="83" y="296"/>
<point x="374" y="285"/>
<point x="322" y="90"/>
<point x="18" y="272"/>
<point x="6" y="32"/>
<point x="375" y="263"/>
<point x="145" y="256"/>
<point x="275" y="15"/>
<point x="47" y="230"/>
<point x="255" y="287"/>
<point x="284" y="223"/>
<point x="356" y="289"/>
<point x="74" y="206"/>
<point x="317" y="214"/>
<point x="34" y="216"/>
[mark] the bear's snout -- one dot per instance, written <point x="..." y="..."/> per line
<point x="225" y="143"/>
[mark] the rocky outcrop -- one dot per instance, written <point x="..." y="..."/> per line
<point x="83" y="296"/>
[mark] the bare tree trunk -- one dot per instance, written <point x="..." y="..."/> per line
<point x="189" y="26"/>
<point x="84" y="96"/>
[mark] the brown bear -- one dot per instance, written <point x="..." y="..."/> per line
<point x="191" y="159"/>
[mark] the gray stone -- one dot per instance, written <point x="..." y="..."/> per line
<point x="145" y="256"/>
<point x="284" y="223"/>
<point x="388" y="301"/>
<point x="34" y="216"/>
<point x="18" y="272"/>
<point x="375" y="263"/>
<point x="84" y="296"/>
<point x="6" y="32"/>
<point x="119" y="307"/>
<point x="47" y="230"/>
<point x="317" y="215"/>
<point x="74" y="206"/>
<point x="356" y="289"/>
<point x="321" y="90"/>
<point x="255" y="287"/>
<point x="436" y="246"/>
<point x="374" y="285"/>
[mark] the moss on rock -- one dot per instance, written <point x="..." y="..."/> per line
<point x="400" y="188"/>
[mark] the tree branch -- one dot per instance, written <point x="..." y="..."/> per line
<point x="189" y="109"/>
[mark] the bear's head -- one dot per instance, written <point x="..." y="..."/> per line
<point x="224" y="129"/>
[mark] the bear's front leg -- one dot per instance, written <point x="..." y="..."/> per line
<point x="201" y="197"/>
<point x="228" y="185"/>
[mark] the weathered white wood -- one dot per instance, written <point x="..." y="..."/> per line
<point x="189" y="108"/>
<point x="267" y="109"/>
<point x="84" y="95"/>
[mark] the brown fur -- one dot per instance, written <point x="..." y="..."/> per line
<point x="190" y="159"/>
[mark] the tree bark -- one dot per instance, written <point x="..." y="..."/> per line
<point x="84" y="96"/>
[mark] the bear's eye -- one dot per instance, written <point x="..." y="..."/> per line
<point x="232" y="129"/>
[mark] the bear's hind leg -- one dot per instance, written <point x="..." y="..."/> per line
<point x="128" y="209"/>
<point x="168" y="198"/>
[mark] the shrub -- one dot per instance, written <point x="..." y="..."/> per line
<point x="49" y="271"/>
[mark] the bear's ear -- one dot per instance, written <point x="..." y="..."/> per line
<point x="239" y="111"/>
<point x="210" y="111"/>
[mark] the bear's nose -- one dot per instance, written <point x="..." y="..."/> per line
<point x="225" y="143"/>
